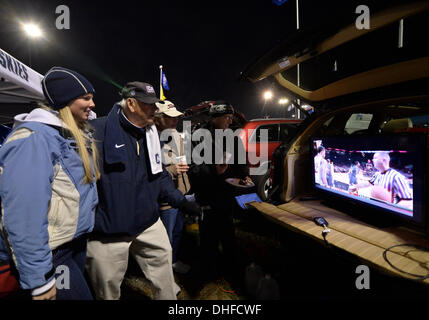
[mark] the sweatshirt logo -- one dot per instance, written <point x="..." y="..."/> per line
<point x="119" y="146"/>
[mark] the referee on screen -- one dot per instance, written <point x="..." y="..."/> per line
<point x="388" y="184"/>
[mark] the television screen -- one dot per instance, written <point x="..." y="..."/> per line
<point x="384" y="172"/>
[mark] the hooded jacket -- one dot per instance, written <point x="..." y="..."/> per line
<point x="44" y="201"/>
<point x="128" y="190"/>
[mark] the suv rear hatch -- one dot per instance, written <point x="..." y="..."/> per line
<point x="340" y="66"/>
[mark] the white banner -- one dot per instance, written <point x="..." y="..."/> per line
<point x="18" y="73"/>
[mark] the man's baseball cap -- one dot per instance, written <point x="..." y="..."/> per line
<point x="140" y="91"/>
<point x="168" y="108"/>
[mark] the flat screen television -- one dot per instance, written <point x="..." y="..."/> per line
<point x="384" y="173"/>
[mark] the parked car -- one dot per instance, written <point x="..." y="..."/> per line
<point x="278" y="130"/>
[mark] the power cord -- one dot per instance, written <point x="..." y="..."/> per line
<point x="323" y="223"/>
<point x="417" y="276"/>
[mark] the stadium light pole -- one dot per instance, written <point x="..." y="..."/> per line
<point x="268" y="95"/>
<point x="283" y="101"/>
<point x="32" y="31"/>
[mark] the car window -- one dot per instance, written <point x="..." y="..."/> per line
<point x="273" y="133"/>
<point x="287" y="131"/>
<point x="358" y="121"/>
<point x="328" y="122"/>
<point x="404" y="123"/>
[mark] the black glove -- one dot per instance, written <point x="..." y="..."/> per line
<point x="191" y="208"/>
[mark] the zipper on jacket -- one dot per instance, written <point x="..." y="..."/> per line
<point x="138" y="148"/>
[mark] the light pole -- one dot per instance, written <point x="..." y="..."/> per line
<point x="282" y="102"/>
<point x="268" y="95"/>
<point x="32" y="31"/>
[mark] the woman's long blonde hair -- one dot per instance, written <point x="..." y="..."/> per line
<point x="81" y="139"/>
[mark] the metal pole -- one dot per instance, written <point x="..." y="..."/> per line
<point x="160" y="81"/>
<point x="29" y="53"/>
<point x="401" y="34"/>
<point x="298" y="80"/>
<point x="263" y="107"/>
<point x="298" y="83"/>
<point x="297" y="14"/>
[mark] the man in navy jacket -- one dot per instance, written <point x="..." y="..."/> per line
<point x="132" y="181"/>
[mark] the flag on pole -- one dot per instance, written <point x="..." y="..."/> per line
<point x="161" y="95"/>
<point x="164" y="81"/>
<point x="163" y="85"/>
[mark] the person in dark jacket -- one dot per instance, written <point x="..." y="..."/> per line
<point x="214" y="194"/>
<point x="133" y="179"/>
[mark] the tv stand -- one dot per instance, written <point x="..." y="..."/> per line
<point x="366" y="241"/>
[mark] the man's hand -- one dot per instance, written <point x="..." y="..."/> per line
<point x="181" y="168"/>
<point x="248" y="180"/>
<point x="49" y="295"/>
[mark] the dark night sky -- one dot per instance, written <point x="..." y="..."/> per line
<point x="202" y="45"/>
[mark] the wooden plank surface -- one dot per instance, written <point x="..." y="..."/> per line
<point x="360" y="239"/>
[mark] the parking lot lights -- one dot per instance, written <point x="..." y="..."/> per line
<point x="283" y="101"/>
<point x="32" y="30"/>
<point x="268" y="95"/>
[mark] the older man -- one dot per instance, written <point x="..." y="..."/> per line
<point x="166" y="120"/>
<point x="132" y="181"/>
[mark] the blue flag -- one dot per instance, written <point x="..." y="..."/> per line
<point x="279" y="2"/>
<point x="164" y="81"/>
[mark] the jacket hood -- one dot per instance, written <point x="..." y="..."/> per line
<point x="39" y="115"/>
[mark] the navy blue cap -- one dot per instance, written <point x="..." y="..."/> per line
<point x="141" y="91"/>
<point x="61" y="86"/>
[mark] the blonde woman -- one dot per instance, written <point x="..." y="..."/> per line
<point x="48" y="177"/>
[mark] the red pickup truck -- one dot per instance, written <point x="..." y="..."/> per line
<point x="277" y="131"/>
<point x="256" y="143"/>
